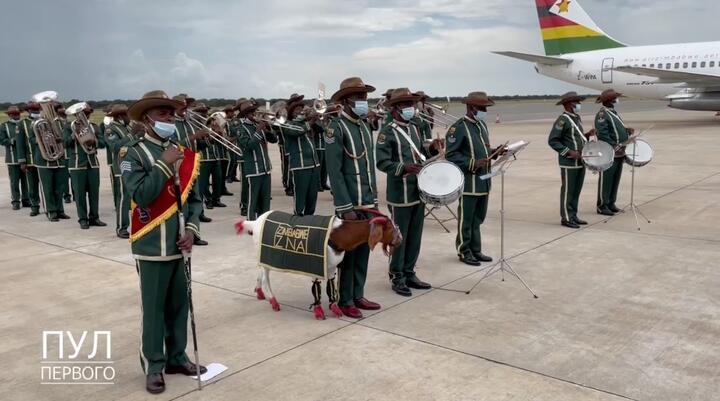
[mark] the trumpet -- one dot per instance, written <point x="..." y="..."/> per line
<point x="321" y="107"/>
<point x="47" y="128"/>
<point x="81" y="128"/>
<point x="216" y="129"/>
<point x="276" y="115"/>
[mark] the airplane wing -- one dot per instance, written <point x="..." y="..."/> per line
<point x="533" y="58"/>
<point x="669" y="77"/>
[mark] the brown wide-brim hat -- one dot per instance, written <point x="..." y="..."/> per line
<point x="388" y="93"/>
<point x="401" y="95"/>
<point x="292" y="106"/>
<point x="350" y="86"/>
<point x="151" y="100"/>
<point x="478" y="99"/>
<point x="108" y="108"/>
<point x="295" y="98"/>
<point x="189" y="100"/>
<point x="608" y="94"/>
<point x="422" y="95"/>
<point x="118" y="110"/>
<point x="246" y="106"/>
<point x="13" y="110"/>
<point x="200" y="108"/>
<point x="32" y="106"/>
<point x="570" y="97"/>
<point x="229" y="108"/>
<point x="236" y="106"/>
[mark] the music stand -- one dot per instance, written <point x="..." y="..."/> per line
<point x="500" y="166"/>
<point x="633" y="206"/>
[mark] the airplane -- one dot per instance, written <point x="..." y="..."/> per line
<point x="687" y="75"/>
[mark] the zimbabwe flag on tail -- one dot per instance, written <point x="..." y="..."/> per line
<point x="566" y="28"/>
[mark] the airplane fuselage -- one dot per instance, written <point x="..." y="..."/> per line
<point x="594" y="69"/>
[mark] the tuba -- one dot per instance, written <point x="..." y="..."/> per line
<point x="81" y="128"/>
<point x="47" y="128"/>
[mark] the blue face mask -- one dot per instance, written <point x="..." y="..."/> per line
<point x="164" y="130"/>
<point x="408" y="113"/>
<point x="577" y="108"/>
<point x="480" y="115"/>
<point x="617" y="102"/>
<point x="35" y="115"/>
<point x="361" y="108"/>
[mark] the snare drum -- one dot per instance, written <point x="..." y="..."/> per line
<point x="598" y="156"/>
<point x="639" y="153"/>
<point x="440" y="183"/>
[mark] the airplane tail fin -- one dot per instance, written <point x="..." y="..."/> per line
<point x="566" y="28"/>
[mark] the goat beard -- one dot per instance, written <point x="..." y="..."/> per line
<point x="388" y="249"/>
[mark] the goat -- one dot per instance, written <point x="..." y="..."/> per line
<point x="346" y="235"/>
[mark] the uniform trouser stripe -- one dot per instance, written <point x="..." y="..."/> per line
<point x="564" y="196"/>
<point x="409" y="220"/>
<point x="609" y="183"/>
<point x="86" y="185"/>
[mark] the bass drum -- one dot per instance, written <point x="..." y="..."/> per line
<point x="440" y="183"/>
<point x="598" y="156"/>
<point x="639" y="153"/>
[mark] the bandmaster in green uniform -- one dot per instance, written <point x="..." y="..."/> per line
<point x="148" y="165"/>
<point x="351" y="165"/>
<point x="9" y="138"/>
<point x="400" y="152"/>
<point x="611" y="129"/>
<point x="468" y="146"/>
<point x="568" y="138"/>
<point x="253" y="137"/>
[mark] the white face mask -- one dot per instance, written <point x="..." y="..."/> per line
<point x="577" y="108"/>
<point x="617" y="102"/>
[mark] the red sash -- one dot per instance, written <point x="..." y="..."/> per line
<point x="144" y="220"/>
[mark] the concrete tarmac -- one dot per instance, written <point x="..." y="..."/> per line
<point x="622" y="313"/>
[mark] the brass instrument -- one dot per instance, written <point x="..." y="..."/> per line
<point x="277" y="115"/>
<point x="47" y="128"/>
<point x="215" y="126"/>
<point x="321" y="108"/>
<point x="81" y="128"/>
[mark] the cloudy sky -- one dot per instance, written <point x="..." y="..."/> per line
<point x="110" y="49"/>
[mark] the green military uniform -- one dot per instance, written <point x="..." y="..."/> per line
<point x="611" y="129"/>
<point x="349" y="151"/>
<point x="232" y="168"/>
<point x="163" y="286"/>
<point x="66" y="184"/>
<point x="50" y="173"/>
<point x="318" y="140"/>
<point x="210" y="172"/>
<point x="303" y="167"/>
<point x="117" y="136"/>
<point x="424" y="128"/>
<point x="9" y="138"/>
<point x="256" y="166"/>
<point x="284" y="163"/>
<point x="466" y="141"/>
<point x="393" y="153"/>
<point x="27" y="153"/>
<point x="184" y="131"/>
<point x="237" y="130"/>
<point x="85" y="174"/>
<point x="567" y="134"/>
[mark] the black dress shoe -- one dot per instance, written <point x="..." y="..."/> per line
<point x="97" y="223"/>
<point x="579" y="222"/>
<point x="243" y="212"/>
<point x="84" y="225"/>
<point x="34" y="212"/>
<point x="155" y="383"/>
<point x="123" y="234"/>
<point x="469" y="259"/>
<point x="26" y="204"/>
<point x="15" y="206"/>
<point x="229" y="180"/>
<point x="68" y="199"/>
<point x="188" y="369"/>
<point x="414" y="282"/>
<point x="326" y="187"/>
<point x="482" y="258"/>
<point x="227" y="193"/>
<point x="605" y="212"/>
<point x="402" y="289"/>
<point x="289" y="192"/>
<point x="54" y="219"/>
<point x="63" y="216"/>
<point x="219" y="204"/>
<point x="569" y="224"/>
<point x="204" y="219"/>
<point x="208" y="205"/>
<point x="615" y="209"/>
<point x="199" y="242"/>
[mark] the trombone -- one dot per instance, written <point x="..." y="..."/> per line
<point x="276" y="115"/>
<point x="216" y="128"/>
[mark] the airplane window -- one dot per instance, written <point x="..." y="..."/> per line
<point x="712" y="64"/>
<point x="677" y="65"/>
<point x="685" y="65"/>
<point x="694" y="64"/>
<point x="667" y="66"/>
<point x="702" y="65"/>
<point x="652" y="65"/>
<point x="644" y="65"/>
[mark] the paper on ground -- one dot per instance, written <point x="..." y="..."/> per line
<point x="213" y="370"/>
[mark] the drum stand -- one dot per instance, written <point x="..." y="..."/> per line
<point x="502" y="265"/>
<point x="633" y="206"/>
<point x="429" y="211"/>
